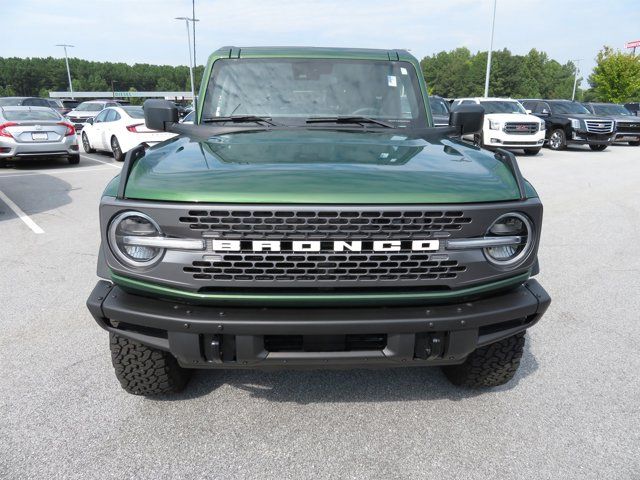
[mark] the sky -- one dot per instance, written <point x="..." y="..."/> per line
<point x="145" y="31"/>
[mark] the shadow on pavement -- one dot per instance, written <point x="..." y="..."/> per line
<point x="329" y="386"/>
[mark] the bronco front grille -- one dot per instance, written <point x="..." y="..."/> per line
<point x="324" y="224"/>
<point x="599" y="126"/>
<point x="315" y="267"/>
<point x="520" y="128"/>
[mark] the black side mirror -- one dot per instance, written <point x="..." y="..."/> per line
<point x="89" y="121"/>
<point x="159" y="114"/>
<point x="545" y="112"/>
<point x="467" y="119"/>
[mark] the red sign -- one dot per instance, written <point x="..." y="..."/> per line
<point x="634" y="44"/>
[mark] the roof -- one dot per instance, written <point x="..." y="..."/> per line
<point x="489" y="99"/>
<point x="314" y="52"/>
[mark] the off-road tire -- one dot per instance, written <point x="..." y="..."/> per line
<point x="532" y="151"/>
<point x="144" y="370"/>
<point x="74" y="159"/>
<point x="598" y="148"/>
<point x="635" y="143"/>
<point x="557" y="140"/>
<point x="86" y="145"/>
<point x="489" y="366"/>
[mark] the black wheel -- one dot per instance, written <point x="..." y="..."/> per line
<point x="85" y="144"/>
<point x="117" y="151"/>
<point x="635" y="143"/>
<point x="557" y="140"/>
<point x="598" y="148"/>
<point x="144" y="370"/>
<point x="532" y="151"/>
<point x="488" y="366"/>
<point x="74" y="159"/>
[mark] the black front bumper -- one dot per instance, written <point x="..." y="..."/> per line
<point x="582" y="137"/>
<point x="237" y="337"/>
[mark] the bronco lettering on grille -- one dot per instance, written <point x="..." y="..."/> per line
<point x="317" y="246"/>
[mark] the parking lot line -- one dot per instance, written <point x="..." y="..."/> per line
<point x="18" y="211"/>
<point x="56" y="171"/>
<point x="102" y="161"/>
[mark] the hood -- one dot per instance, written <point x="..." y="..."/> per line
<point x="512" y="117"/>
<point x="320" y="167"/>
<point x="83" y="113"/>
<point x="625" y="119"/>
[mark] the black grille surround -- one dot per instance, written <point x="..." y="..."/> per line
<point x="628" y="127"/>
<point x="326" y="270"/>
<point x="521" y="128"/>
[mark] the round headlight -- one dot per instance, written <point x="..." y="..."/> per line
<point x="511" y="225"/>
<point x="134" y="224"/>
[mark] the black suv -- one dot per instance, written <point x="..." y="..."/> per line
<point x="627" y="124"/>
<point x="570" y="122"/>
<point x="633" y="107"/>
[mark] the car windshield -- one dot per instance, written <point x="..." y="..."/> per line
<point x="134" y="112"/>
<point x="27" y="115"/>
<point x="438" y="106"/>
<point x="90" y="107"/>
<point x="499" y="106"/>
<point x="291" y="91"/>
<point x="611" y="109"/>
<point x="568" y="107"/>
<point x="6" y="102"/>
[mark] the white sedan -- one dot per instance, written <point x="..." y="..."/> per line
<point x="118" y="130"/>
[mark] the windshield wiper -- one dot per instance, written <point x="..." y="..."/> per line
<point x="241" y="119"/>
<point x="349" y="119"/>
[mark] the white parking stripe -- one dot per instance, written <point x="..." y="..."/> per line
<point x="102" y="161"/>
<point x="97" y="168"/>
<point x="23" y="216"/>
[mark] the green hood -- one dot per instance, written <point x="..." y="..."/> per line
<point x="320" y="167"/>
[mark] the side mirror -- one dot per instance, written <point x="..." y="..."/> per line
<point x="89" y="121"/>
<point x="159" y="114"/>
<point x="467" y="118"/>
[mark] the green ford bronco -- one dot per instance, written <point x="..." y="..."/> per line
<point x="313" y="216"/>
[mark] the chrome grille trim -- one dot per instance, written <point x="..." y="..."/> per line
<point x="599" y="126"/>
<point x="521" y="128"/>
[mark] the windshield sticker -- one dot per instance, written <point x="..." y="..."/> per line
<point x="403" y="71"/>
<point x="391" y="80"/>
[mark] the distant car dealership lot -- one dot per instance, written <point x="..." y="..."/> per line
<point x="568" y="414"/>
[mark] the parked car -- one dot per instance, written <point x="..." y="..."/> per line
<point x="569" y="122"/>
<point x="507" y="125"/>
<point x="36" y="132"/>
<point x="118" y="130"/>
<point x="627" y="124"/>
<point x="439" y="110"/>
<point x="79" y="115"/>
<point x="633" y="107"/>
<point x="58" y="106"/>
<point x="24" y="101"/>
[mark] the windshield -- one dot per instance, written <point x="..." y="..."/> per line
<point x="90" y="107"/>
<point x="291" y="91"/>
<point x="611" y="109"/>
<point x="27" y="114"/>
<point x="134" y="112"/>
<point x="568" y="107"/>
<point x="6" y="102"/>
<point x="499" y="106"/>
<point x="438" y="106"/>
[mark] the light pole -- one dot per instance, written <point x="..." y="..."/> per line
<point x="486" y="79"/>
<point x="575" y="78"/>
<point x="186" y="22"/>
<point x="66" y="59"/>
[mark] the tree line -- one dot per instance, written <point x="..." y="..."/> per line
<point x="456" y="73"/>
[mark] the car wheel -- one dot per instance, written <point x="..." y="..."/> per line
<point x="144" y="370"/>
<point x="635" y="144"/>
<point x="532" y="151"/>
<point x="117" y="151"/>
<point x="85" y="144"/>
<point x="557" y="140"/>
<point x="74" y="159"/>
<point x="598" y="148"/>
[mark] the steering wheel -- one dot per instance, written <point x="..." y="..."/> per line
<point x="363" y="112"/>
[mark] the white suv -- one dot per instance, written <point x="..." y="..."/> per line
<point x="507" y="125"/>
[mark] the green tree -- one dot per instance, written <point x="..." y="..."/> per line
<point x="616" y="77"/>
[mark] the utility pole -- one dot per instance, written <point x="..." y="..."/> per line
<point x="575" y="78"/>
<point x="186" y="22"/>
<point x="66" y="59"/>
<point x="486" y="79"/>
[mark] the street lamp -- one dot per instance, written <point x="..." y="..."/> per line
<point x="575" y="78"/>
<point x="66" y="59"/>
<point x="486" y="79"/>
<point x="186" y="22"/>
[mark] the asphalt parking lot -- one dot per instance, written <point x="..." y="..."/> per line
<point x="573" y="411"/>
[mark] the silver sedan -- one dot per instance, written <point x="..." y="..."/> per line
<point x="36" y="132"/>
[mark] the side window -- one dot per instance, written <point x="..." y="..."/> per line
<point x="543" y="107"/>
<point x="111" y="115"/>
<point x="468" y="102"/>
<point x="101" y="117"/>
<point x="116" y="116"/>
<point x="529" y="105"/>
